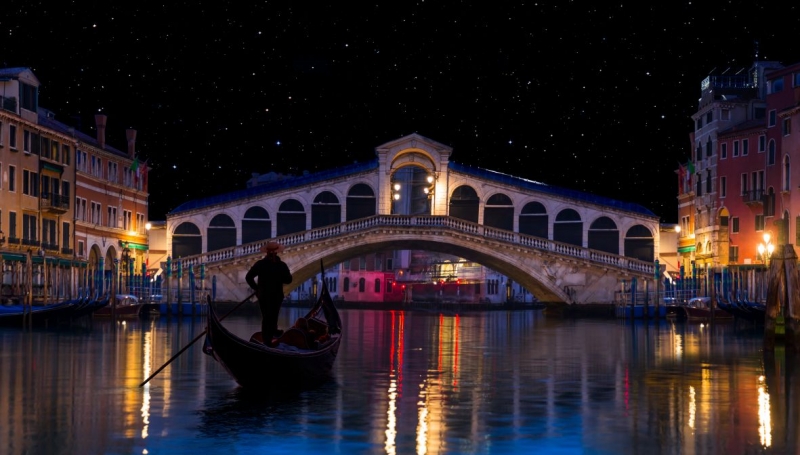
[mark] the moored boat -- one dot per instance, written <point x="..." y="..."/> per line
<point x="699" y="309"/>
<point x="283" y="363"/>
<point x="126" y="305"/>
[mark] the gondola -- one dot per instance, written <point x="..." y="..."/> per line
<point x="19" y="314"/>
<point x="280" y="364"/>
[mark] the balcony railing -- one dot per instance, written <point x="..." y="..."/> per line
<point x="753" y="197"/>
<point x="55" y="203"/>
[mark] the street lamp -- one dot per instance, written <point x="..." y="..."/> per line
<point x="766" y="248"/>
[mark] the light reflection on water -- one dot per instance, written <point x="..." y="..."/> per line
<point x="407" y="382"/>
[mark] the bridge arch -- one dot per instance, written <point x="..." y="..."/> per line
<point x="326" y="209"/>
<point x="464" y="203"/>
<point x="256" y="224"/>
<point x="360" y="202"/>
<point x="568" y="227"/>
<point x="187" y="240"/>
<point x="639" y="243"/>
<point x="220" y="232"/>
<point x="604" y="235"/>
<point x="291" y="217"/>
<point x="498" y="212"/>
<point x="533" y="220"/>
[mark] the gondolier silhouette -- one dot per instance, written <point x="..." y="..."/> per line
<point x="267" y="277"/>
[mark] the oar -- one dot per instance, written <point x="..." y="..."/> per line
<point x="194" y="341"/>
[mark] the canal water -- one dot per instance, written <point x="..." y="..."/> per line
<point x="413" y="382"/>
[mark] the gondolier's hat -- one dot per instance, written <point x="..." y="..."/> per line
<point x="272" y="248"/>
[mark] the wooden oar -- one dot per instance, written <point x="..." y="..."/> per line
<point x="194" y="341"/>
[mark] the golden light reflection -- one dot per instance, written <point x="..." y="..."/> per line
<point x="422" y="424"/>
<point x="692" y="406"/>
<point x="764" y="420"/>
<point x="146" y="367"/>
<point x="678" y="346"/>
<point x="391" y="419"/>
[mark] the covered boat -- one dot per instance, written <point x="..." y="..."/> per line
<point x="293" y="361"/>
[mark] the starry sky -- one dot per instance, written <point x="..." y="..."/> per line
<point x="590" y="97"/>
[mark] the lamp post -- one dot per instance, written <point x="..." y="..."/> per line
<point x="146" y="276"/>
<point x="126" y="260"/>
<point x="766" y="248"/>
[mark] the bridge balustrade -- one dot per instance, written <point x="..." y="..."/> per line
<point x="448" y="222"/>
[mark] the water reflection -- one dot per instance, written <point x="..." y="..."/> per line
<point x="407" y="382"/>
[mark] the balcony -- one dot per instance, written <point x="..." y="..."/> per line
<point x="55" y="203"/>
<point x="753" y="197"/>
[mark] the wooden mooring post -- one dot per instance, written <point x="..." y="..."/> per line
<point x="782" y="321"/>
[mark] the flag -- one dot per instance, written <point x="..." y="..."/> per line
<point x="690" y="169"/>
<point x="135" y="166"/>
<point x="144" y="174"/>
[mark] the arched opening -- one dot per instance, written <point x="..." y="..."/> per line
<point x="604" y="235"/>
<point x="291" y="217"/>
<point x="221" y="233"/>
<point x="568" y="227"/>
<point x="411" y="189"/>
<point x="256" y="225"/>
<point x="186" y="240"/>
<point x="533" y="220"/>
<point x="464" y="203"/>
<point x="639" y="243"/>
<point x="499" y="212"/>
<point x="361" y="202"/>
<point x="325" y="210"/>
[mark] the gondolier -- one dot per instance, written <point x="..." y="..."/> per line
<point x="267" y="277"/>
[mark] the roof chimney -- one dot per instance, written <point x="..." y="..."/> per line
<point x="100" y="120"/>
<point x="130" y="133"/>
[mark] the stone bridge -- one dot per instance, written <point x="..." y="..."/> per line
<point x="553" y="271"/>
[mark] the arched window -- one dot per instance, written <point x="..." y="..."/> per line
<point x="346" y="284"/>
<point x="291" y="217"/>
<point x="325" y="210"/>
<point x="787" y="172"/>
<point x="221" y="233"/>
<point x="377" y="285"/>
<point x="186" y="240"/>
<point x="499" y="212"/>
<point x="362" y="284"/>
<point x="639" y="243"/>
<point x="533" y="220"/>
<point x="771" y="153"/>
<point x="256" y="225"/>
<point x="360" y="202"/>
<point x="604" y="235"/>
<point x="464" y="203"/>
<point x="568" y="227"/>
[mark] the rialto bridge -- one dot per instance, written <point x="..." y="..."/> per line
<point x="561" y="245"/>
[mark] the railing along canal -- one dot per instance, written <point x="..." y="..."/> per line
<point x="455" y="224"/>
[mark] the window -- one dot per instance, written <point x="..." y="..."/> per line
<point x="140" y="223"/>
<point x="390" y="264"/>
<point x="723" y="151"/>
<point x="735" y="225"/>
<point x="12" y="178"/>
<point x="772" y="117"/>
<point x="12" y="225"/>
<point x="65" y="152"/>
<point x="777" y="85"/>
<point x="708" y="180"/>
<point x="126" y="220"/>
<point x="744" y="184"/>
<point x="49" y="233"/>
<point x="723" y="186"/>
<point x="12" y="136"/>
<point x="762" y="143"/>
<point x="96" y="215"/>
<point x="29" y="223"/>
<point x="362" y="285"/>
<point x="709" y="116"/>
<point x="80" y="209"/>
<point x="80" y="160"/>
<point x="36" y="144"/>
<point x="377" y="285"/>
<point x="26" y="141"/>
<point x="759" y="222"/>
<point x="733" y="253"/>
<point x="735" y="149"/>
<point x="346" y="284"/>
<point x="745" y="147"/>
<point x="708" y="147"/>
<point x="28" y="96"/>
<point x="81" y="249"/>
<point x="699" y="123"/>
<point x="362" y="263"/>
<point x="771" y="153"/>
<point x="787" y="169"/>
<point x="112" y="172"/>
<point x="787" y="126"/>
<point x="797" y="79"/>
<point x="725" y="114"/>
<point x="112" y="216"/>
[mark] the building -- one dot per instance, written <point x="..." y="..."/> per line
<point x="71" y="204"/>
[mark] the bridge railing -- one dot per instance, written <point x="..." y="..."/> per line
<point x="456" y="224"/>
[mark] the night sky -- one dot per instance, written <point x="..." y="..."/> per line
<point x="575" y="94"/>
